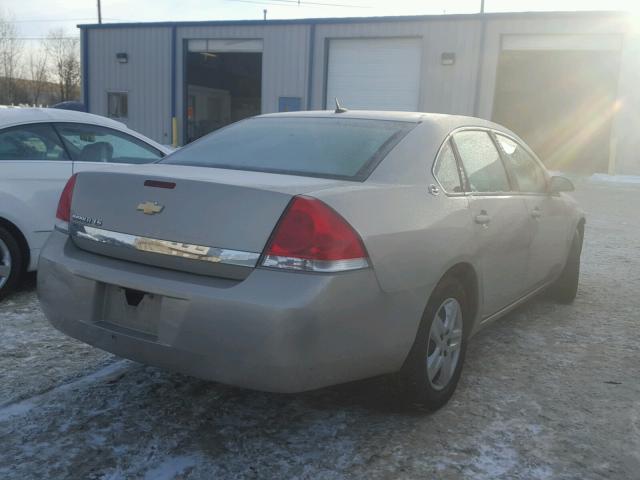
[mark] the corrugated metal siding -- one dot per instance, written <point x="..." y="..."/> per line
<point x="284" y="59"/>
<point x="447" y="89"/>
<point x="451" y="89"/>
<point x="444" y="89"/>
<point x="146" y="77"/>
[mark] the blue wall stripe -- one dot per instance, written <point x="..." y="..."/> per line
<point x="312" y="43"/>
<point x="85" y="68"/>
<point x="173" y="72"/>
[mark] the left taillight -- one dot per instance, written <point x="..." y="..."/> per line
<point x="64" y="205"/>
<point x="312" y="236"/>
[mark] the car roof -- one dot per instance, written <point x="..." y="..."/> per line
<point x="442" y="120"/>
<point x="15" y="116"/>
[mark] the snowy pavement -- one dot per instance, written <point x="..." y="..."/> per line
<point x="549" y="392"/>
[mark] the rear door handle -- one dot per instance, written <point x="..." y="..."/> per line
<point x="536" y="213"/>
<point x="483" y="218"/>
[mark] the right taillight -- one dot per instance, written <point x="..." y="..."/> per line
<point x="64" y="205"/>
<point x="312" y="236"/>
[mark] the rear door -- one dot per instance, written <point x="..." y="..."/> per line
<point x="94" y="147"/>
<point x="547" y="214"/>
<point x="34" y="168"/>
<point x="500" y="220"/>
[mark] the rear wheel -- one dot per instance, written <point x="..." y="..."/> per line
<point x="432" y="369"/>
<point x="11" y="262"/>
<point x="565" y="288"/>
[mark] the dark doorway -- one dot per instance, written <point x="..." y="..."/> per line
<point x="221" y="88"/>
<point x="561" y="103"/>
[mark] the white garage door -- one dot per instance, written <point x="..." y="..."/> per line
<point x="374" y="73"/>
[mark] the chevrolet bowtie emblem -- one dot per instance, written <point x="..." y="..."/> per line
<point x="150" y="208"/>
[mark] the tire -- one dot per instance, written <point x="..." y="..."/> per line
<point x="11" y="262"/>
<point x="419" y="389"/>
<point x="565" y="288"/>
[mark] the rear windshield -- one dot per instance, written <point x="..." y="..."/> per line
<point x="319" y="147"/>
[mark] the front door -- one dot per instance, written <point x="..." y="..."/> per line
<point x="500" y="220"/>
<point x="547" y="213"/>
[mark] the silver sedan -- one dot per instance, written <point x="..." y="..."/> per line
<point x="288" y="252"/>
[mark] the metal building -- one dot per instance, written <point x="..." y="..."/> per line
<point x="567" y="82"/>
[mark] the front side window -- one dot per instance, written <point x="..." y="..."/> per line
<point x="36" y="141"/>
<point x="91" y="143"/>
<point x="446" y="170"/>
<point x="525" y="168"/>
<point x="117" y="104"/>
<point x="346" y="148"/>
<point x="481" y="162"/>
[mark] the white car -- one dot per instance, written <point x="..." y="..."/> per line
<point x="40" y="148"/>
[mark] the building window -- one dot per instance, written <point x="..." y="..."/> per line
<point x="117" y="104"/>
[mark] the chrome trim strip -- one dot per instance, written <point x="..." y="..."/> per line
<point x="325" y="266"/>
<point x="513" y="305"/>
<point x="165" y="247"/>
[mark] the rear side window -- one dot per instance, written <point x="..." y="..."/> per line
<point x="31" y="142"/>
<point x="525" y="168"/>
<point x="481" y="162"/>
<point x="446" y="170"/>
<point x="318" y="147"/>
<point x="91" y="143"/>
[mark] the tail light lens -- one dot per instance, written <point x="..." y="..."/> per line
<point x="64" y="205"/>
<point x="312" y="236"/>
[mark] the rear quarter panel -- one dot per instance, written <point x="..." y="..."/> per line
<point x="412" y="236"/>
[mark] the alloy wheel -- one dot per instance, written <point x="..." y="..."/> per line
<point x="445" y="341"/>
<point x="5" y="263"/>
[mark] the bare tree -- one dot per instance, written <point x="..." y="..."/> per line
<point x="64" y="55"/>
<point x="38" y="74"/>
<point x="10" y="52"/>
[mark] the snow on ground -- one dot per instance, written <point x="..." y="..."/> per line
<point x="549" y="392"/>
<point x="602" y="177"/>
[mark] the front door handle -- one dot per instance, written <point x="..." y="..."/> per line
<point x="536" y="213"/>
<point x="483" y="218"/>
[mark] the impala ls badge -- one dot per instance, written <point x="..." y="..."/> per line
<point x="150" y="208"/>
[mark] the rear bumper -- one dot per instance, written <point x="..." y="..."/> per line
<point x="274" y="331"/>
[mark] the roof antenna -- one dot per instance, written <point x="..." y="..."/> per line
<point x="339" y="108"/>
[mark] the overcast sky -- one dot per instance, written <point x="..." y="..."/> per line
<point x="35" y="18"/>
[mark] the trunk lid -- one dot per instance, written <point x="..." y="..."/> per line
<point x="208" y="223"/>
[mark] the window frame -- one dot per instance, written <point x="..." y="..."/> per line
<point x="465" y="185"/>
<point x="117" y="92"/>
<point x="127" y="136"/>
<point x="461" y="174"/>
<point x="531" y="153"/>
<point x="53" y="129"/>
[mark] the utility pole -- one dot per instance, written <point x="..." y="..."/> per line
<point x="264" y="12"/>
<point x="100" y="12"/>
<point x="481" y="6"/>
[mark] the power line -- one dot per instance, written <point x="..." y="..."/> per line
<point x="296" y="3"/>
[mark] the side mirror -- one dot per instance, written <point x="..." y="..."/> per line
<point x="560" y="184"/>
